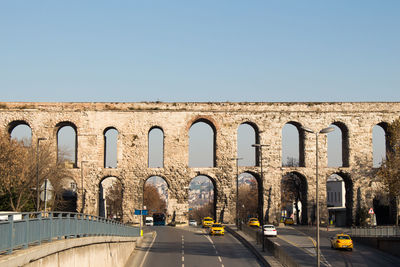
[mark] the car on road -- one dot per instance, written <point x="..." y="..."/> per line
<point x="269" y="230"/>
<point x="192" y="223"/>
<point x="288" y="221"/>
<point x="149" y="221"/>
<point x="207" y="221"/>
<point x="342" y="241"/>
<point x="254" y="222"/>
<point x="217" y="229"/>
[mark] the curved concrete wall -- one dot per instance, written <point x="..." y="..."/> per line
<point x="77" y="252"/>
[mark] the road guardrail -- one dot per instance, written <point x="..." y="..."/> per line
<point x="29" y="228"/>
<point x="376" y="231"/>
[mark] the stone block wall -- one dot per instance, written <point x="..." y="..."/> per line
<point x="133" y="122"/>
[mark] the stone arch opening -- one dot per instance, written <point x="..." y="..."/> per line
<point x="294" y="195"/>
<point x="339" y="195"/>
<point x="293" y="145"/>
<point x="247" y="134"/>
<point x="155" y="196"/>
<point x="338" y="145"/>
<point x="202" y="144"/>
<point x="156" y="147"/>
<point x="384" y="206"/>
<point x="110" y="135"/>
<point x="380" y="144"/>
<point x="381" y="210"/>
<point x="20" y="131"/>
<point x="67" y="143"/>
<point x="202" y="198"/>
<point x="110" y="198"/>
<point x="250" y="198"/>
<point x="67" y="197"/>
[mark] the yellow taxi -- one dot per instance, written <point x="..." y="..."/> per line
<point x="342" y="241"/>
<point x="254" y="222"/>
<point x="288" y="221"/>
<point x="207" y="222"/>
<point x="217" y="229"/>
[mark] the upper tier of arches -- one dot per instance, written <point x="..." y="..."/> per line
<point x="247" y="133"/>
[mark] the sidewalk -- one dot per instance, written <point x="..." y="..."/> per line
<point x="265" y="257"/>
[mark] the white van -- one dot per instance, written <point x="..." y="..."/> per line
<point x="149" y="221"/>
<point x="17" y="216"/>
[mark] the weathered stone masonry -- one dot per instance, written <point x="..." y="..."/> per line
<point x="134" y="120"/>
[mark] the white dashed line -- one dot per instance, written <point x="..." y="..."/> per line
<point x="216" y="251"/>
<point x="183" y="251"/>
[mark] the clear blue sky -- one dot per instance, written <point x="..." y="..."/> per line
<point x="200" y="50"/>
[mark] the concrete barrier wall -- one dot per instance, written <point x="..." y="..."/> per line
<point x="79" y="252"/>
<point x="284" y="258"/>
<point x="386" y="244"/>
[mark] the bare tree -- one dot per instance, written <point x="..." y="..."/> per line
<point x="206" y="210"/>
<point x="152" y="199"/>
<point x="291" y="162"/>
<point x="248" y="200"/>
<point x="21" y="166"/>
<point x="293" y="191"/>
<point x="114" y="200"/>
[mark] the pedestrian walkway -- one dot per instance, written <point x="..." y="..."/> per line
<point x="256" y="248"/>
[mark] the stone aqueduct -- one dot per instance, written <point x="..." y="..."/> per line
<point x="133" y="122"/>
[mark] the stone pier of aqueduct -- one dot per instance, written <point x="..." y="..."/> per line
<point x="133" y="122"/>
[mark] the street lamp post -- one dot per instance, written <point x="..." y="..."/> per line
<point x="260" y="146"/>
<point x="37" y="172"/>
<point x="82" y="190"/>
<point x="323" y="131"/>
<point x="237" y="190"/>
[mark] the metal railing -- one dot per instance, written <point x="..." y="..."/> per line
<point x="19" y="230"/>
<point x="377" y="231"/>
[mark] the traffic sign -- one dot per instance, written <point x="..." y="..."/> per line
<point x="141" y="212"/>
<point x="371" y="211"/>
<point x="46" y="191"/>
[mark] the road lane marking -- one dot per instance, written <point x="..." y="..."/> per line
<point x="310" y="251"/>
<point x="314" y="252"/>
<point x="148" y="249"/>
<point x="216" y="251"/>
<point x="183" y="251"/>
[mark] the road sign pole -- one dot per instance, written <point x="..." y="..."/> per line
<point x="141" y="231"/>
<point x="45" y="195"/>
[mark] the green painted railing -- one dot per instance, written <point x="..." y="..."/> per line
<point x="20" y="230"/>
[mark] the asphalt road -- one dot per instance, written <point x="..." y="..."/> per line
<point x="190" y="246"/>
<point x="298" y="241"/>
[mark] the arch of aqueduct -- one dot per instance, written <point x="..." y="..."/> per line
<point x="134" y="120"/>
